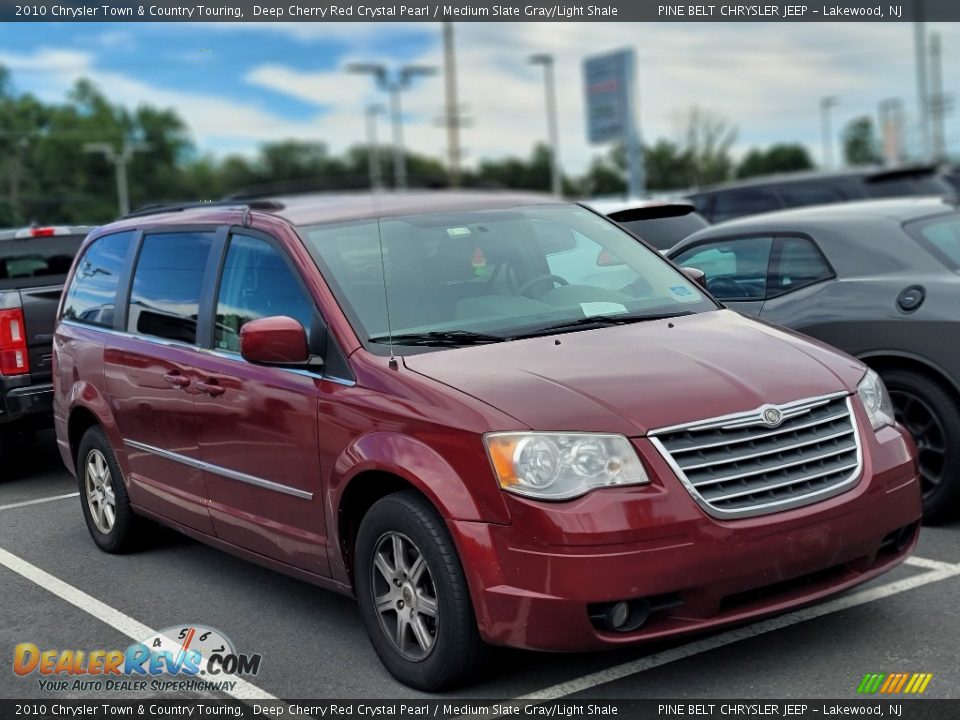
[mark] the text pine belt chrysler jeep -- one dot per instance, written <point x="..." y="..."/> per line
<point x="423" y="400"/>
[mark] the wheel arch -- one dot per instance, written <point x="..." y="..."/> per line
<point x="895" y="359"/>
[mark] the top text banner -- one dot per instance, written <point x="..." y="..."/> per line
<point x="465" y="11"/>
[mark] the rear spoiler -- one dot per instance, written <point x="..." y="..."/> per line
<point x="900" y="172"/>
<point x="653" y="212"/>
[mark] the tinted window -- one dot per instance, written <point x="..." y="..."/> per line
<point x="92" y="293"/>
<point x="800" y="194"/>
<point x="735" y="269"/>
<point x="165" y="298"/>
<point x="745" y="201"/>
<point x="256" y="283"/>
<point x="46" y="258"/>
<point x="904" y="185"/>
<point x="941" y="236"/>
<point x="800" y="263"/>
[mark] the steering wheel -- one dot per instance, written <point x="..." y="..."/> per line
<point x="522" y="290"/>
<point x="726" y="289"/>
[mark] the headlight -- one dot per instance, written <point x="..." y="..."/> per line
<point x="875" y="400"/>
<point x="560" y="466"/>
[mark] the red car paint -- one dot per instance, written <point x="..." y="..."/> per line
<point x="532" y="567"/>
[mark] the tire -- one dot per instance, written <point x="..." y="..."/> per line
<point x="6" y="448"/>
<point x="98" y="474"/>
<point x="931" y="414"/>
<point x="441" y="648"/>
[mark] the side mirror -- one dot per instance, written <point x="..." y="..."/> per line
<point x="277" y="340"/>
<point x="697" y="276"/>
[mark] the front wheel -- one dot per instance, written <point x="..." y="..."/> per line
<point x="103" y="496"/>
<point x="930" y="414"/>
<point x="413" y="595"/>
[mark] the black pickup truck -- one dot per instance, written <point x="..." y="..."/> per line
<point x="34" y="263"/>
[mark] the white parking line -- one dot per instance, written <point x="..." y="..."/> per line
<point x="929" y="564"/>
<point x="11" y="506"/>
<point x="134" y="629"/>
<point x="618" y="672"/>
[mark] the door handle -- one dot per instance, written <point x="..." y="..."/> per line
<point x="177" y="380"/>
<point x="211" y="387"/>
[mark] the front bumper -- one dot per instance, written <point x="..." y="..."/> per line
<point x="21" y="400"/>
<point x="533" y="581"/>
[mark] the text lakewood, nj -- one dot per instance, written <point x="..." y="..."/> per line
<point x="778" y="11"/>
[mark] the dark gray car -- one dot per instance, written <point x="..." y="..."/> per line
<point x="879" y="279"/>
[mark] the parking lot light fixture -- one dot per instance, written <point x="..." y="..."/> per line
<point x="394" y="85"/>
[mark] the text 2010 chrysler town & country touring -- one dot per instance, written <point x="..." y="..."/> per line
<point x="425" y="400"/>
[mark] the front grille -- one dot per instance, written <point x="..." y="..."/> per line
<point x="740" y="465"/>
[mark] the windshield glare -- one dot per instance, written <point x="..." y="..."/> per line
<point x="498" y="272"/>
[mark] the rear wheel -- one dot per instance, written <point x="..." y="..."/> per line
<point x="413" y="595"/>
<point x="930" y="414"/>
<point x="103" y="496"/>
<point x="6" y="449"/>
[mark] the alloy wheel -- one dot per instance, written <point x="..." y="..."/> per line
<point x="98" y="484"/>
<point x="916" y="415"/>
<point x="405" y="596"/>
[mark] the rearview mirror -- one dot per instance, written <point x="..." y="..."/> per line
<point x="697" y="276"/>
<point x="555" y="237"/>
<point x="277" y="340"/>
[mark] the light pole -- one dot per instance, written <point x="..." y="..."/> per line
<point x="373" y="148"/>
<point x="400" y="81"/>
<point x="827" y="104"/>
<point x="551" y="97"/>
<point x="120" y="160"/>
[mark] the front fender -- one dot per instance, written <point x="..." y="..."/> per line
<point x="459" y="483"/>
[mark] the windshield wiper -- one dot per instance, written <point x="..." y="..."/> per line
<point x="602" y="320"/>
<point x="440" y="338"/>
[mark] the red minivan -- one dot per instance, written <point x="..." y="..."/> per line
<point x="496" y="419"/>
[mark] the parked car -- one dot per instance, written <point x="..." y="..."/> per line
<point x="660" y="223"/>
<point x="877" y="279"/>
<point x="34" y="263"/>
<point x="789" y="190"/>
<point x="400" y="398"/>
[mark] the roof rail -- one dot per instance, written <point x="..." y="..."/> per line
<point x="158" y="208"/>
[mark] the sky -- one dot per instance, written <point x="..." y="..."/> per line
<point x="238" y="85"/>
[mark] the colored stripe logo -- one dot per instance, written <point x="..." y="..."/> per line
<point x="894" y="683"/>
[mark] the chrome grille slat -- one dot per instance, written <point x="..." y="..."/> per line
<point x="772" y="433"/>
<point x="812" y="441"/>
<point x="738" y="466"/>
<point x="785" y="483"/>
<point x="775" y="468"/>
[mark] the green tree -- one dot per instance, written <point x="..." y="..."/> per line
<point x="707" y="140"/>
<point x="782" y="157"/>
<point x="860" y="143"/>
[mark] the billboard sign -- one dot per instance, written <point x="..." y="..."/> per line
<point x="609" y="83"/>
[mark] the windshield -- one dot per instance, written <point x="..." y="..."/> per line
<point x="941" y="236"/>
<point x="494" y="274"/>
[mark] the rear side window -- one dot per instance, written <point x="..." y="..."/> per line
<point x="744" y="201"/>
<point x="93" y="290"/>
<point x="799" y="264"/>
<point x="165" y="297"/>
<point x="34" y="261"/>
<point x="257" y="282"/>
<point x="941" y="236"/>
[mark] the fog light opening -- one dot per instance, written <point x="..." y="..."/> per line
<point x="618" y="614"/>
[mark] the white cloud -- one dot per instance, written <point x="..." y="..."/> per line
<point x="766" y="78"/>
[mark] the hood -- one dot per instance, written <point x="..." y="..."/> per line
<point x="631" y="379"/>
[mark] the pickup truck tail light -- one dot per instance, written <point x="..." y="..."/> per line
<point x="13" y="343"/>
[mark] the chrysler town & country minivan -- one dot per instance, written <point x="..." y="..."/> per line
<point x="411" y="398"/>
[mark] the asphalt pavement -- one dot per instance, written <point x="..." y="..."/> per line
<point x="58" y="590"/>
